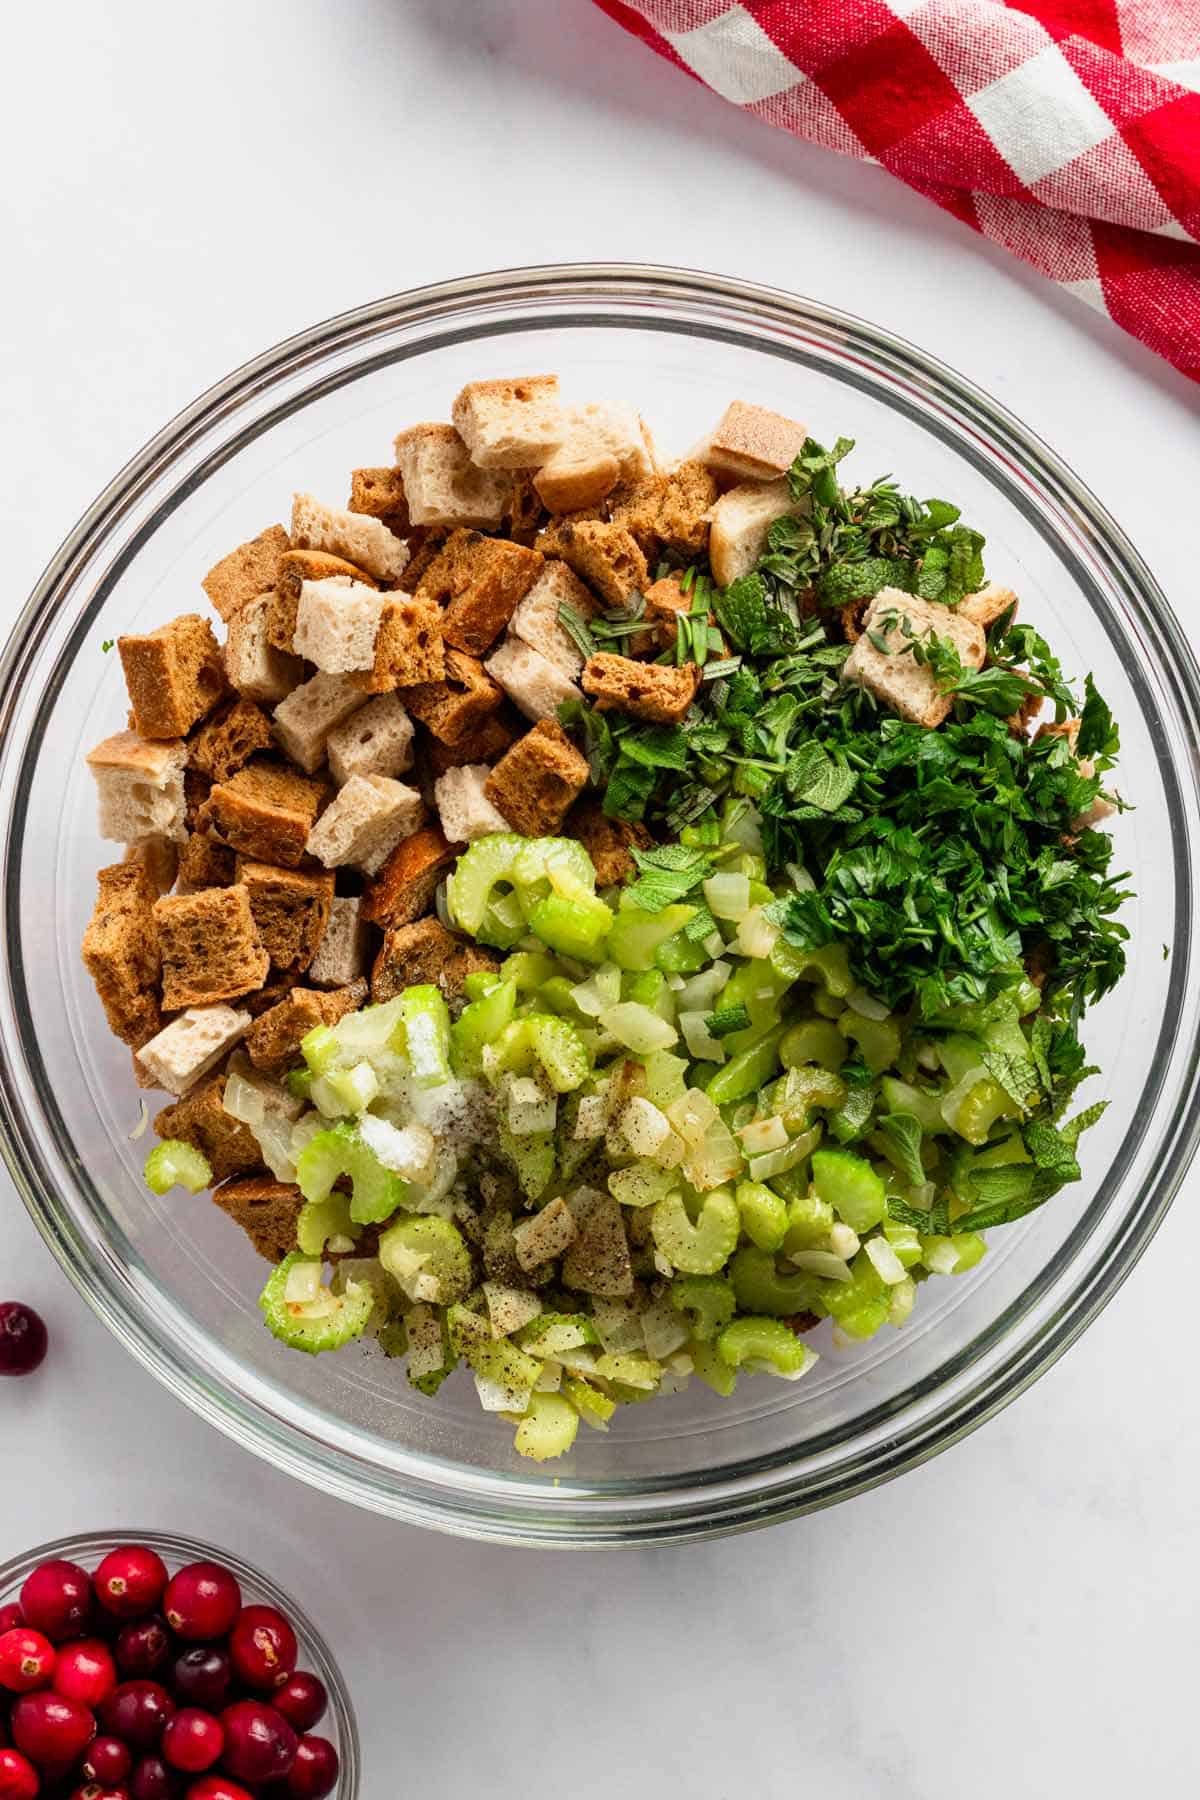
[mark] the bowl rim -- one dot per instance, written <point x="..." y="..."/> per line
<point x="491" y="1505"/>
<point x="177" y="1549"/>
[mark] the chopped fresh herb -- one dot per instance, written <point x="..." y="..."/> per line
<point x="903" y="1134"/>
<point x="666" y="874"/>
<point x="727" y="1019"/>
<point x="576" y="628"/>
<point x="107" y="645"/>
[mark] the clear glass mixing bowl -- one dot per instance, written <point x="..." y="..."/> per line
<point x="89" y="1548"/>
<point x="177" y="1282"/>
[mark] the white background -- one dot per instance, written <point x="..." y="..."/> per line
<point x="183" y="185"/>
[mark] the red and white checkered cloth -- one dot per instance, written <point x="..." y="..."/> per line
<point x="1066" y="130"/>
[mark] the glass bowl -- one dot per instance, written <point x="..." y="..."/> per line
<point x="88" y="1548"/>
<point x="178" y="1283"/>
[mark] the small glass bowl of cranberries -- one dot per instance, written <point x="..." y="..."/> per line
<point x="145" y="1666"/>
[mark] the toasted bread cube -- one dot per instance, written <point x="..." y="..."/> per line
<point x="458" y="704"/>
<point x="443" y="486"/>
<point x="200" y="1119"/>
<point x="226" y="742"/>
<point x="548" y="1234"/>
<point x="379" y="492"/>
<point x="752" y="444"/>
<point x="988" y="605"/>
<point x="581" y="473"/>
<point x="656" y="692"/>
<point x="274" y="1040"/>
<point x="356" y="536"/>
<point x="637" y="506"/>
<point x="665" y="600"/>
<point x="210" y="947"/>
<point x="616" y="428"/>
<point x="408" y="646"/>
<point x="894" y="676"/>
<point x="413" y="955"/>
<point x="121" y="953"/>
<point x="536" y="620"/>
<point x="688" y="496"/>
<point x="463" y="806"/>
<point x="342" y="952"/>
<point x="510" y="424"/>
<point x="295" y="568"/>
<point x="174" y="675"/>
<point x="140" y="788"/>
<point x="534" y="684"/>
<point x="365" y="822"/>
<point x="536" y="782"/>
<point x="740" y="522"/>
<point x="607" y="557"/>
<point x="203" y="863"/>
<point x="310" y="712"/>
<point x="405" y="885"/>
<point x="254" y="666"/>
<point x="375" y="740"/>
<point x="607" y="841"/>
<point x="267" y="1211"/>
<point x="159" y="857"/>
<point x="526" y="512"/>
<point x="479" y="581"/>
<point x="265" y="811"/>
<point x="248" y="571"/>
<point x="487" y="742"/>
<point x="291" y="911"/>
<point x="336" y="624"/>
<point x="190" y="1046"/>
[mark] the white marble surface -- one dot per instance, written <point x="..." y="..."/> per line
<point x="182" y="186"/>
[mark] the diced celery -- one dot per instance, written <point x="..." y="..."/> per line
<point x="559" y="1049"/>
<point x="355" y="1087"/>
<point x="479" y="1024"/>
<point x="593" y="1407"/>
<point x="810" y="1220"/>
<point x="764" y="1340"/>
<point x="852" y="1120"/>
<point x="488" y="861"/>
<point x="763" y="1215"/>
<point x="828" y="965"/>
<point x="701" y="1248"/>
<point x="747" y="1072"/>
<point x="861" y="1305"/>
<point x="299" y="1082"/>
<point x="813" y="1041"/>
<point x="325" y="1322"/>
<point x="680" y="955"/>
<point x="708" y="1300"/>
<point x="532" y="1159"/>
<point x="554" y="1334"/>
<point x="320" y="1049"/>
<point x="904" y="1295"/>
<point x="639" y="1029"/>
<point x="548" y="1429"/>
<point x="636" y="934"/>
<point x="851" y="1186"/>
<point x="320" y="1220"/>
<point x="575" y="927"/>
<point x="804" y="1088"/>
<point x="429" y="1259"/>
<point x="427" y="1034"/>
<point x="629" y="1371"/>
<point x="558" y="864"/>
<point x="878" y="1039"/>
<point x="901" y="1096"/>
<point x="376" y="1192"/>
<point x="665" y="1077"/>
<point x="760" y="1288"/>
<point x="602" y="988"/>
<point x="711" y="1370"/>
<point x="974" y="1103"/>
<point x="173" y="1162"/>
<point x="904" y="1241"/>
<point x="952" y="1255"/>
<point x="528" y="968"/>
<point x="642" y="1184"/>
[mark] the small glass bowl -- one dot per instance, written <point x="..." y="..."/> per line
<point x="178" y="1282"/>
<point x="88" y="1548"/>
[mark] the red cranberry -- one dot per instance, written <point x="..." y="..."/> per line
<point x="57" y="1599"/>
<point x="85" y="1671"/>
<point x="137" y="1711"/>
<point x="108" y="1761"/>
<point x="216" y="1787"/>
<point x="262" y="1647"/>
<point x="27" y="1660"/>
<point x="10" y="1617"/>
<point x="193" y="1741"/>
<point x="201" y="1676"/>
<point x="302" y="1700"/>
<point x="130" y="1581"/>
<point x="152" y="1780"/>
<point x="260" y="1745"/>
<point x="18" y="1777"/>
<point x="142" y="1647"/>
<point x="315" y="1770"/>
<point x="202" y="1601"/>
<point x="22" y="1339"/>
<point x="51" y="1729"/>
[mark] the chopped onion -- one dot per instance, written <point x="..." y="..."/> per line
<point x="728" y="895"/>
<point x="643" y="1126"/>
<point x="800" y="878"/>
<point x="763" y="1134"/>
<point x="274" y="1137"/>
<point x="692" y="1114"/>
<point x="530" y="1107"/>
<point x="303" y="1284"/>
<point x="499" y="1397"/>
<point x="663" y="1329"/>
<point x="866" y="1005"/>
<point x="888" y="1266"/>
<point x="550" y="1379"/>
<point x="619" y="1325"/>
<point x="638" y="1028"/>
<point x="699" y="992"/>
<point x="591" y="1119"/>
<point x="701" y="1043"/>
<point x="822" y="1262"/>
<point x="713" y="944"/>
<point x="903" y="1296"/>
<point x="843" y="1240"/>
<point x="139" y="1130"/>
<point x="340" y="1244"/>
<point x="601" y="989"/>
<point x="778" y="1162"/>
<point x="941" y="1260"/>
<point x="756" y="935"/>
<point x="242" y="1100"/>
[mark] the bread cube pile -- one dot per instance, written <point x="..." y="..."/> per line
<point x="386" y="689"/>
